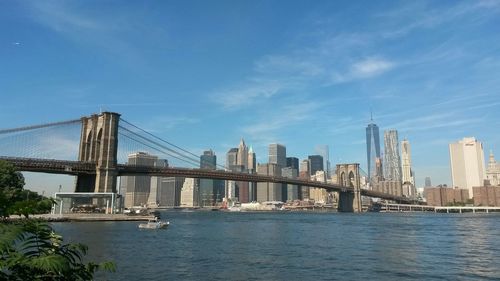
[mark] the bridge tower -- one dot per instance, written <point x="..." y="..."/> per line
<point x="348" y="175"/>
<point x="99" y="144"/>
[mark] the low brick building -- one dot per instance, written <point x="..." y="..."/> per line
<point x="443" y="196"/>
<point x="486" y="196"/>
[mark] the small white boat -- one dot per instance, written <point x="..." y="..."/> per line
<point x="154" y="224"/>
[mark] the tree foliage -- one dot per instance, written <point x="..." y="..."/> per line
<point x="14" y="200"/>
<point x="31" y="250"/>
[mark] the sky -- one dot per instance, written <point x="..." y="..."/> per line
<point x="204" y="74"/>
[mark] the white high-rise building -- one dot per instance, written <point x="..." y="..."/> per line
<point x="242" y="158"/>
<point x="406" y="162"/>
<point x="137" y="188"/>
<point x="467" y="164"/>
<point x="189" y="193"/>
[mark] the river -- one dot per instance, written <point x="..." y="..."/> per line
<point x="297" y="246"/>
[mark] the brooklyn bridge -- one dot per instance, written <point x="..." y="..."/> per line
<point x="102" y="138"/>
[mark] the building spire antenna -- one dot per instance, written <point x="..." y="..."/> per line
<point x="371" y="115"/>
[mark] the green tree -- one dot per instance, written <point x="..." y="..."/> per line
<point x="31" y="250"/>
<point x="11" y="187"/>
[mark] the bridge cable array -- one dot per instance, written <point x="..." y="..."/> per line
<point x="160" y="145"/>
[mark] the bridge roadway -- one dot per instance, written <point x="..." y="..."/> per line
<point x="77" y="167"/>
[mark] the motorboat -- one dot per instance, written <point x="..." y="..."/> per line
<point x="154" y="223"/>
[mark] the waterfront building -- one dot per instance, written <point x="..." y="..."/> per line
<point x="467" y="164"/>
<point x="493" y="171"/>
<point x="373" y="151"/>
<point x="392" y="161"/>
<point x="231" y="162"/>
<point x="170" y="192"/>
<point x="190" y="193"/>
<point x="292" y="162"/>
<point x="319" y="195"/>
<point x="137" y="187"/>
<point x="277" y="154"/>
<point x="291" y="189"/>
<point x="324" y="151"/>
<point x="304" y="174"/>
<point x="444" y="196"/>
<point x="486" y="196"/>
<point x="207" y="190"/>
<point x="389" y="186"/>
<point x="252" y="169"/>
<point x="156" y="185"/>
<point x="267" y="191"/>
<point x="242" y="188"/>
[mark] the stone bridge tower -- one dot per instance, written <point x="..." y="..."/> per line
<point x="348" y="175"/>
<point x="99" y="144"/>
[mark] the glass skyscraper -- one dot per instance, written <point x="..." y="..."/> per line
<point x="392" y="159"/>
<point x="373" y="151"/>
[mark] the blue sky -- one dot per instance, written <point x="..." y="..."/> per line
<point x="203" y="74"/>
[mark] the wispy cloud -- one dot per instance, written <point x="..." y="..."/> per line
<point x="160" y="124"/>
<point x="271" y="123"/>
<point x="419" y="16"/>
<point x="75" y="21"/>
<point x="363" y="69"/>
<point x="248" y="93"/>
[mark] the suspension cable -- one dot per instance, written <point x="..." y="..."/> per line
<point x="13" y="130"/>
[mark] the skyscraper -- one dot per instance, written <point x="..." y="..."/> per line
<point x="231" y="160"/>
<point x="324" y="151"/>
<point x="428" y="182"/>
<point x="267" y="191"/>
<point x="392" y="161"/>
<point x="156" y="185"/>
<point x="316" y="163"/>
<point x="467" y="164"/>
<point x="138" y="187"/>
<point x="252" y="161"/>
<point x="373" y="151"/>
<point x="242" y="162"/>
<point x="292" y="162"/>
<point x="207" y="186"/>
<point x="242" y="158"/>
<point x="292" y="192"/>
<point x="277" y="155"/>
<point x="252" y="169"/>
<point x="208" y="160"/>
<point x="406" y="163"/>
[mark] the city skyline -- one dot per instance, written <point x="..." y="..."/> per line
<point x="304" y="78"/>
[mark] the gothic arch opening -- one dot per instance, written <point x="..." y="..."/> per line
<point x="88" y="146"/>
<point x="98" y="144"/>
<point x="342" y="179"/>
<point x="352" y="179"/>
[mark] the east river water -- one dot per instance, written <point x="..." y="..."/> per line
<point x="297" y="246"/>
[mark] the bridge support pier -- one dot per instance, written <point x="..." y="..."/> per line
<point x="99" y="144"/>
<point x="348" y="175"/>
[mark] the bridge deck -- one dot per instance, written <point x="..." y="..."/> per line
<point x="78" y="167"/>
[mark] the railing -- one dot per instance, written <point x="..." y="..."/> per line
<point x="52" y="166"/>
